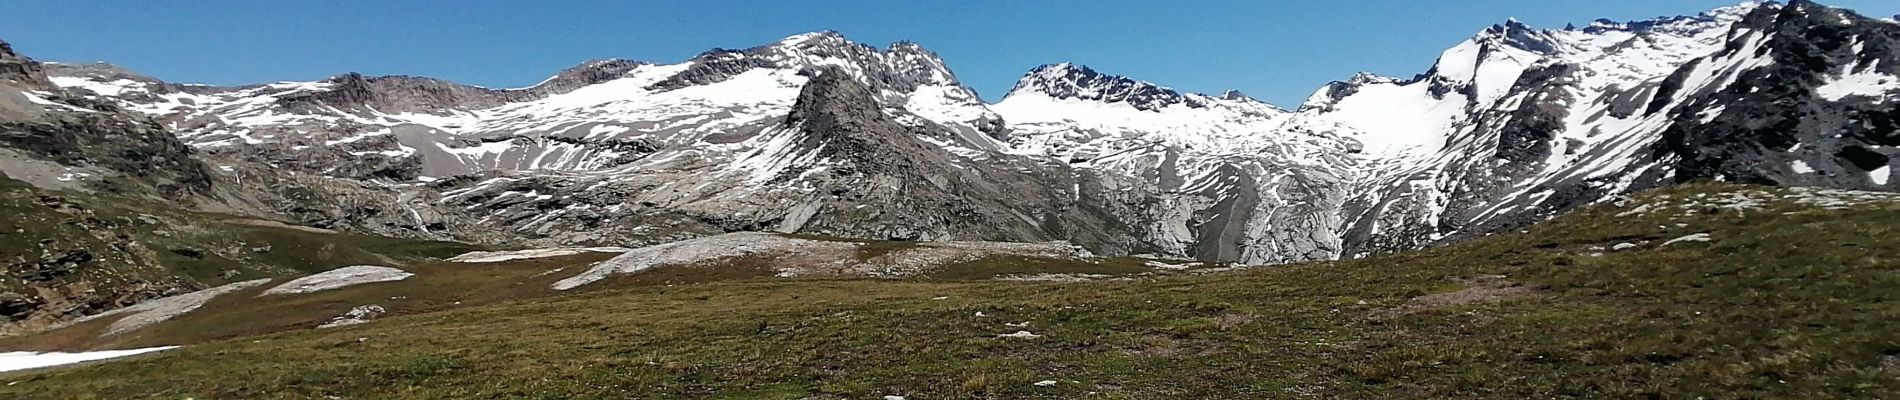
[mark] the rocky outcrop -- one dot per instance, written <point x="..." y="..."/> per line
<point x="147" y="158"/>
<point x="22" y="72"/>
<point x="1070" y="81"/>
<point x="1810" y="109"/>
<point x="63" y="260"/>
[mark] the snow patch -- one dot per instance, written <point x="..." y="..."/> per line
<point x="37" y="99"/>
<point x="499" y="256"/>
<point x="158" y="310"/>
<point x="339" y="278"/>
<point x="22" y="360"/>
<point x="1019" y="335"/>
<point x="1868" y="83"/>
<point x="1800" y="167"/>
<point x="691" y="251"/>
<point x="1699" y="237"/>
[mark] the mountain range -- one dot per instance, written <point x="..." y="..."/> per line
<point x="817" y="135"/>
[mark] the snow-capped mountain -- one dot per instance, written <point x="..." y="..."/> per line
<point x="818" y="134"/>
<point x="1236" y="179"/>
<point x="1516" y="124"/>
<point x="597" y="115"/>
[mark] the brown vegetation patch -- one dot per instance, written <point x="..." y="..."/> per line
<point x="1480" y="289"/>
<point x="276" y="224"/>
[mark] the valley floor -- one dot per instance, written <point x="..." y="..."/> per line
<point x="1788" y="297"/>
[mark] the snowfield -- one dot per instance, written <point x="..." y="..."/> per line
<point x="499" y="256"/>
<point x="158" y="310"/>
<point x="339" y="278"/>
<point x="21" y="360"/>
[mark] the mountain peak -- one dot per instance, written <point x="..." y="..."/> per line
<point x="1516" y="34"/>
<point x="22" y="71"/>
<point x="587" y="73"/>
<point x="1723" y="16"/>
<point x="1072" y="81"/>
<point x="811" y="37"/>
<point x="1332" y="92"/>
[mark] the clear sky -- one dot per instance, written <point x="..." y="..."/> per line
<point x="1278" y="51"/>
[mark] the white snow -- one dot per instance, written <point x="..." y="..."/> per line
<point x="1699" y="237"/>
<point x="1045" y="383"/>
<point x="1800" y="167"/>
<point x="1880" y="175"/>
<point x="1867" y="83"/>
<point x="499" y="256"/>
<point x="1393" y="119"/>
<point x="690" y="251"/>
<point x="1019" y="335"/>
<point x="1163" y="265"/>
<point x="35" y="98"/>
<point x="1051" y="126"/>
<point x="339" y="278"/>
<point x="21" y="360"/>
<point x="113" y="88"/>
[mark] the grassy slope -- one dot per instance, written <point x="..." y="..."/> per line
<point x="1779" y="305"/>
<point x="437" y="286"/>
<point x="133" y="242"/>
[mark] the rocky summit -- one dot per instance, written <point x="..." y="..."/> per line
<point x="818" y="156"/>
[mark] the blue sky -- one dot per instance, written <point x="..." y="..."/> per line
<point x="1279" y="51"/>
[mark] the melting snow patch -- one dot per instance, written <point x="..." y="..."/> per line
<point x="499" y="256"/>
<point x="356" y="315"/>
<point x="20" y="360"/>
<point x="36" y="99"/>
<point x="339" y="278"/>
<point x="1699" y="237"/>
<point x="1046" y="383"/>
<point x="1162" y="265"/>
<point x="1019" y="335"/>
<point x="1046" y="277"/>
<point x="159" y="310"/>
<point x="692" y="251"/>
<point x="1879" y="175"/>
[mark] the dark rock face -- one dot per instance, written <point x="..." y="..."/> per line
<point x="1526" y="138"/>
<point x="401" y="94"/>
<point x="135" y="147"/>
<point x="842" y="120"/>
<point x="710" y="67"/>
<point x="588" y="73"/>
<point x="1069" y="81"/>
<point x="1775" y="114"/>
<point x="22" y="72"/>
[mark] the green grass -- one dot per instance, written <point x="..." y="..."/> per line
<point x="995" y="266"/>
<point x="1779" y="305"/>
